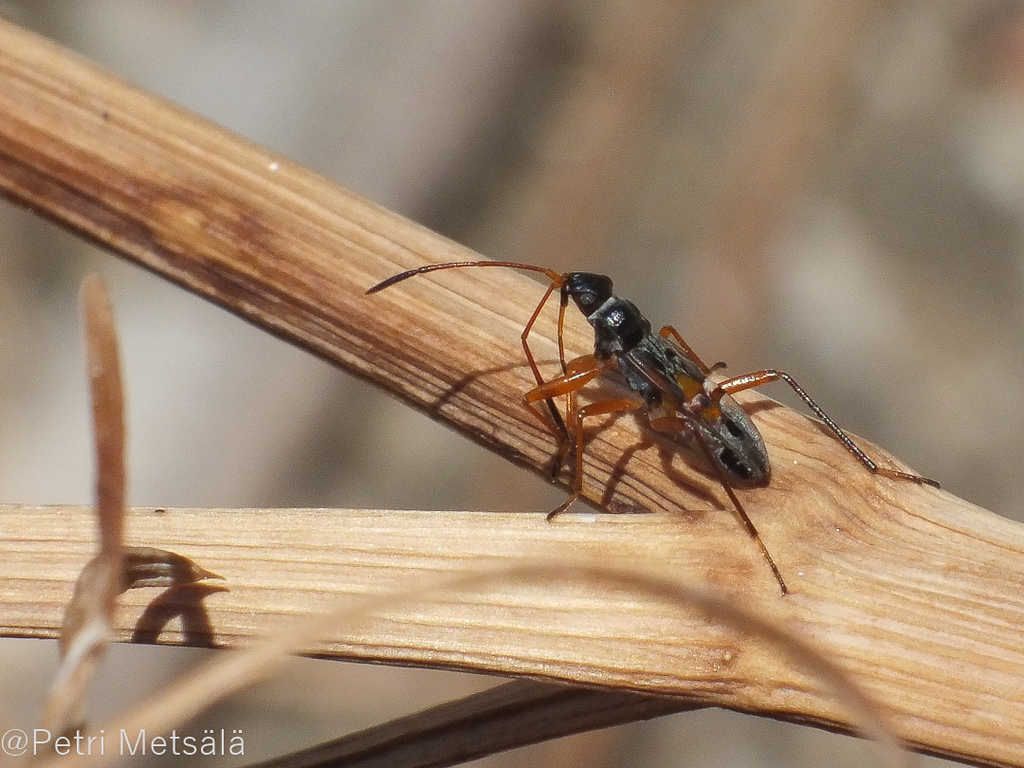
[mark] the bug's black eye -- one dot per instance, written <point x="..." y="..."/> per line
<point x="733" y="463"/>
<point x="588" y="289"/>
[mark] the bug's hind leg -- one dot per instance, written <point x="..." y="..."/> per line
<point x="760" y="378"/>
<point x="676" y="423"/>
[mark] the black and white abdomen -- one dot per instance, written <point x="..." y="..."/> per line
<point x="736" y="446"/>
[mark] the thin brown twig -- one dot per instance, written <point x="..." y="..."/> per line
<point x="514" y="714"/>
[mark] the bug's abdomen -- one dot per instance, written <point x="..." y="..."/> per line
<point x="737" y="447"/>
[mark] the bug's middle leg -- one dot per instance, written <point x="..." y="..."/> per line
<point x="579" y="372"/>
<point x="668" y="332"/>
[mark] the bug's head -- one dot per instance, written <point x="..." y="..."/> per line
<point x="588" y="289"/>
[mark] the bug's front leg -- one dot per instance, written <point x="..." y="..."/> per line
<point x="556" y="417"/>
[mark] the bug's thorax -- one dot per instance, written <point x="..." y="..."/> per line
<point x="619" y="328"/>
<point x="675" y="385"/>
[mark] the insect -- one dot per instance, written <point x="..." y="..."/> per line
<point x="665" y="378"/>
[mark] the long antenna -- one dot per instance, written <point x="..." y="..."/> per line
<point x="552" y="275"/>
<point x="557" y="281"/>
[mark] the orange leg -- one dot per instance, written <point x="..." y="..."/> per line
<point x="748" y="524"/>
<point x="557" y="281"/>
<point x="578" y="373"/>
<point x="555" y="415"/>
<point x="529" y="327"/>
<point x="576" y="417"/>
<point x="671" y="333"/>
<point x="670" y="423"/>
<point x="760" y="378"/>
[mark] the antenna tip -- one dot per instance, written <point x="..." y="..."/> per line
<point x="391" y="281"/>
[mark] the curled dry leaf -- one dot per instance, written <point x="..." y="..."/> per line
<point x="152" y="567"/>
<point x="87" y="621"/>
<point x="508" y="716"/>
<point x="142" y="567"/>
<point x="86" y="629"/>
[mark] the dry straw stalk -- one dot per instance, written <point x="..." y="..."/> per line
<point x="913" y="590"/>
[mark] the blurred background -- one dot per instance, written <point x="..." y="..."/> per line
<point x="836" y="190"/>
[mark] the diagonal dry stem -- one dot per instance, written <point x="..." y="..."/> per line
<point x="514" y="714"/>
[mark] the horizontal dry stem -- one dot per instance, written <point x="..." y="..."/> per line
<point x="922" y="646"/>
<point x="525" y="583"/>
<point x="914" y="589"/>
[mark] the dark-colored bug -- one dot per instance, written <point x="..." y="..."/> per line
<point x="665" y="378"/>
